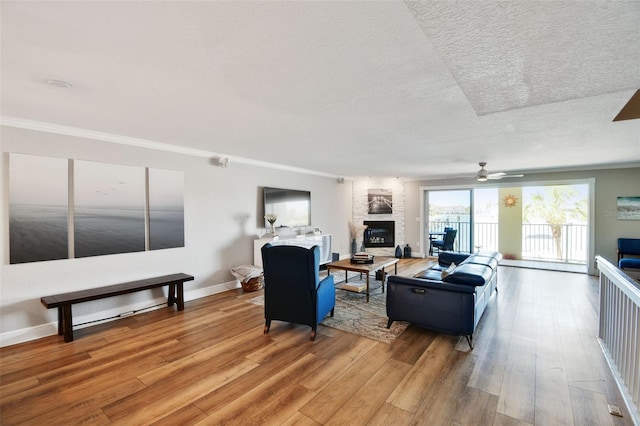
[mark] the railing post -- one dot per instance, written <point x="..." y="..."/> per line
<point x="565" y="242"/>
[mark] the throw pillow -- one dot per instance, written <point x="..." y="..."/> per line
<point x="449" y="270"/>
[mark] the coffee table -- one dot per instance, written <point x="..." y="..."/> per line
<point x="364" y="268"/>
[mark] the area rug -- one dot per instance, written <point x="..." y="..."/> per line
<point x="354" y="315"/>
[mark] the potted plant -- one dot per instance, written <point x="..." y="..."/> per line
<point x="271" y="218"/>
<point x="356" y="233"/>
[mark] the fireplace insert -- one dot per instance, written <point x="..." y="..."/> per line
<point x="379" y="233"/>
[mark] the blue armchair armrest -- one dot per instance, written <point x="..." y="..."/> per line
<point x="326" y="292"/>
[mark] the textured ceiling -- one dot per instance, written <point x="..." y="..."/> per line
<point x="517" y="54"/>
<point x="415" y="89"/>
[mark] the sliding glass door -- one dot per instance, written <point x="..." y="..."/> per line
<point x="550" y="223"/>
<point x="555" y="223"/>
<point x="472" y="212"/>
<point x="485" y="219"/>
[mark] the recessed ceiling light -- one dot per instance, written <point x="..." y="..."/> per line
<point x="59" y="83"/>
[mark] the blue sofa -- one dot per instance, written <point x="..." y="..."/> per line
<point x="452" y="304"/>
<point x="628" y="246"/>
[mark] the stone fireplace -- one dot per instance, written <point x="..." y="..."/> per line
<point x="379" y="233"/>
<point x="362" y="215"/>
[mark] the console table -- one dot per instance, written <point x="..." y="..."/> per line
<point x="323" y="242"/>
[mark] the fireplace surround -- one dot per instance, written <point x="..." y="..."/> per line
<point x="379" y="233"/>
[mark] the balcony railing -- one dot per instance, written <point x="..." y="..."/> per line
<point x="619" y="331"/>
<point x="485" y="235"/>
<point x="538" y="242"/>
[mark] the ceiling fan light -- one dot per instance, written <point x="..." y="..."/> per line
<point x="482" y="175"/>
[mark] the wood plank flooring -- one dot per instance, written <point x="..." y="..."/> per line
<point x="536" y="362"/>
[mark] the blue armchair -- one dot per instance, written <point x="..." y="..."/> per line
<point x="628" y="246"/>
<point x="293" y="291"/>
<point x="446" y="243"/>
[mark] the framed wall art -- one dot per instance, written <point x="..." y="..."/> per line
<point x="166" y="209"/>
<point x="628" y="208"/>
<point x="109" y="208"/>
<point x="38" y="208"/>
<point x="380" y="201"/>
<point x="86" y="208"/>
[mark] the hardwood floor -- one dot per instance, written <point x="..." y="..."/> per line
<point x="536" y="361"/>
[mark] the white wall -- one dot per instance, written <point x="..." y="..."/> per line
<point x="222" y="218"/>
<point x="223" y="215"/>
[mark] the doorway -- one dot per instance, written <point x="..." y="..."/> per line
<point x="555" y="222"/>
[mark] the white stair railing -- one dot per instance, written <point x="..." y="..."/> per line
<point x="619" y="332"/>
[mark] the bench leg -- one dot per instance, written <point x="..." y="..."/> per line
<point x="180" y="292"/>
<point x="176" y="295"/>
<point x="171" y="299"/>
<point x="67" y="323"/>
<point x="60" y="321"/>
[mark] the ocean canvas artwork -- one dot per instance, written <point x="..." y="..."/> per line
<point x="166" y="209"/>
<point x="628" y="208"/>
<point x="38" y="209"/>
<point x="109" y="208"/>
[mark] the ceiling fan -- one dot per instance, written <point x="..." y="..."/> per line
<point x="483" y="175"/>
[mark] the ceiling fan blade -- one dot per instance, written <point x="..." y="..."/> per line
<point x="631" y="110"/>
<point x="497" y="176"/>
<point x="483" y="175"/>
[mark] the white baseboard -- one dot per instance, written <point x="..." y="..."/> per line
<point x="14" y="337"/>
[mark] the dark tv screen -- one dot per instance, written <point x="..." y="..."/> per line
<point x="292" y="206"/>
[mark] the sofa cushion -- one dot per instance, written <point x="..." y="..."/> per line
<point x="430" y="274"/>
<point x="449" y="270"/>
<point x="446" y="258"/>
<point x="470" y="274"/>
<point x="629" y="262"/>
<point x="480" y="259"/>
<point x="629" y="245"/>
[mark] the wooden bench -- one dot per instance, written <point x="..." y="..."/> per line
<point x="64" y="301"/>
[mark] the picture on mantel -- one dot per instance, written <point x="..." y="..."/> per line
<point x="380" y="201"/>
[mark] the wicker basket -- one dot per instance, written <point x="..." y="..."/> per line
<point x="254" y="284"/>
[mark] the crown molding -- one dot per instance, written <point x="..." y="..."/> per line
<point x="41" y="126"/>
